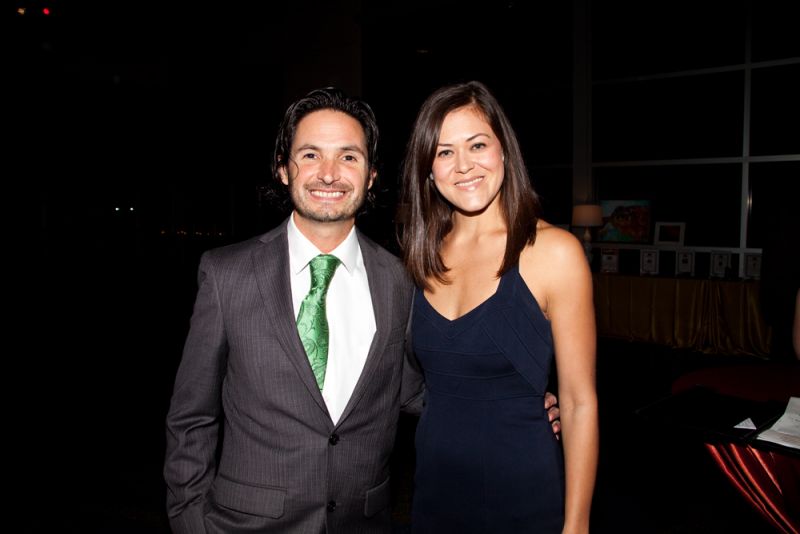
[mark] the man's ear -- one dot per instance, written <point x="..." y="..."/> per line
<point x="373" y="173"/>
<point x="282" y="173"/>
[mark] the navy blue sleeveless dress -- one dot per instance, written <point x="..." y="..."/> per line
<point x="487" y="459"/>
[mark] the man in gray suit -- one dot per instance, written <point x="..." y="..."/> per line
<point x="262" y="437"/>
<point x="292" y="455"/>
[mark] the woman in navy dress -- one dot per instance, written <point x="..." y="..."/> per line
<point x="501" y="295"/>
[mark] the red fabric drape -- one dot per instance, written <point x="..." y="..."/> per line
<point x="770" y="481"/>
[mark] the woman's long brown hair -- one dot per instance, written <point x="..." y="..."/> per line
<point x="430" y="215"/>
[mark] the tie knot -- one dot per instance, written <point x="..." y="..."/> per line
<point x="322" y="269"/>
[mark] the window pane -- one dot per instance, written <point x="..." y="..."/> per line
<point x="696" y="116"/>
<point x="554" y="187"/>
<point x="633" y="37"/>
<point x="773" y="212"/>
<point x="542" y="119"/>
<point x="706" y="197"/>
<point x="775" y="30"/>
<point x="775" y="126"/>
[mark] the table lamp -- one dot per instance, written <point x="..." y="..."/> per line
<point x="587" y="215"/>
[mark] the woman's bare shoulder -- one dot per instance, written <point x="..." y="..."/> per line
<point x="552" y="240"/>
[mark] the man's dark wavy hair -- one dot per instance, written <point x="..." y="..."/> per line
<point x="319" y="99"/>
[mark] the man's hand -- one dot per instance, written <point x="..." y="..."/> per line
<point x="553" y="413"/>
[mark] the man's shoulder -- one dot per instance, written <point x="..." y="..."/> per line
<point x="384" y="258"/>
<point x="242" y="249"/>
<point x="368" y="246"/>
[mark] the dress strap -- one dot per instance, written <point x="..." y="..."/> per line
<point x="506" y="286"/>
<point x="520" y="330"/>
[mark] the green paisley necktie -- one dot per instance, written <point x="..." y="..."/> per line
<point x="312" y="322"/>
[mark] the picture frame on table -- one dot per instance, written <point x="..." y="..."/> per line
<point x="625" y="221"/>
<point x="720" y="263"/>
<point x="752" y="265"/>
<point x="669" y="234"/>
<point x="684" y="263"/>
<point x="648" y="261"/>
<point x="609" y="260"/>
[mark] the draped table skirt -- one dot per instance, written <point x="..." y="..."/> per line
<point x="711" y="316"/>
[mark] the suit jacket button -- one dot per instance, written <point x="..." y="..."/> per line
<point x="331" y="506"/>
<point x="333" y="439"/>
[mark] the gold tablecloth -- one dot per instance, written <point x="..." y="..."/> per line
<point x="712" y="316"/>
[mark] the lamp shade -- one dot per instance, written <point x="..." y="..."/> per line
<point x="587" y="215"/>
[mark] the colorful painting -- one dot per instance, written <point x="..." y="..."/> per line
<point x="625" y="221"/>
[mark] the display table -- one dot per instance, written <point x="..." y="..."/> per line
<point x="712" y="316"/>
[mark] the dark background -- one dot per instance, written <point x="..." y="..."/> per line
<point x="140" y="134"/>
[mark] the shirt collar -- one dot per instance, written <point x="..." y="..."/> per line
<point x="302" y="251"/>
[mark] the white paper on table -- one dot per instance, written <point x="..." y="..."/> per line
<point x="786" y="430"/>
<point x="747" y="424"/>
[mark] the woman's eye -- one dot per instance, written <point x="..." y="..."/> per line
<point x="478" y="146"/>
<point x="444" y="153"/>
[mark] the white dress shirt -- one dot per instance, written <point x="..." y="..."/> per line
<point x="351" y="321"/>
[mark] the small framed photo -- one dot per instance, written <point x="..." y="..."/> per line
<point x="609" y="260"/>
<point x="684" y="263"/>
<point x="648" y="261"/>
<point x="752" y="266"/>
<point x="669" y="234"/>
<point x="720" y="263"/>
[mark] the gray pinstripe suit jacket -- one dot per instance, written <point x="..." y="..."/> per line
<point x="277" y="463"/>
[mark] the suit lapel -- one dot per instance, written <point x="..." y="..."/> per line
<point x="380" y="283"/>
<point x="271" y="264"/>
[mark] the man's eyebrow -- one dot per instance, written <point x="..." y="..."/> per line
<point x="353" y="148"/>
<point x="306" y="146"/>
<point x="345" y="148"/>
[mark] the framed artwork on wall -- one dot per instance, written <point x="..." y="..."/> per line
<point x="625" y="221"/>
<point x="669" y="234"/>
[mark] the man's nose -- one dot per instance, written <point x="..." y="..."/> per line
<point x="328" y="171"/>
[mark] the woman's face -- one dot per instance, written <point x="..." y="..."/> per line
<point x="468" y="165"/>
